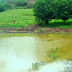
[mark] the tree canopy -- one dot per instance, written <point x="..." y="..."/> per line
<point x="1" y="7"/>
<point x="63" y="10"/>
<point x="45" y="10"/>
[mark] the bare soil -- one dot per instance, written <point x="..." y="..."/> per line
<point x="34" y="28"/>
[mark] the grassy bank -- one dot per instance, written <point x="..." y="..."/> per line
<point x="59" y="23"/>
<point x="25" y="17"/>
<point x="20" y="16"/>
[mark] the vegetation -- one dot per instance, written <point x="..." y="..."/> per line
<point x="52" y="53"/>
<point x="20" y="16"/>
<point x="35" y="66"/>
<point x="59" y="23"/>
<point x="63" y="9"/>
<point x="1" y="7"/>
<point x="15" y="4"/>
<point x="25" y="17"/>
<point x="45" y="10"/>
<point x="21" y="3"/>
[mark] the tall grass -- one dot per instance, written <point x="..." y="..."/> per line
<point x="52" y="53"/>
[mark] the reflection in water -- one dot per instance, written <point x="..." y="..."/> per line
<point x="18" y="53"/>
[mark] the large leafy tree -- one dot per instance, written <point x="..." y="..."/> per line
<point x="63" y="10"/>
<point x="43" y="11"/>
<point x="70" y="6"/>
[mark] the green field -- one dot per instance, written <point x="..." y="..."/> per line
<point x="60" y="23"/>
<point x="20" y="16"/>
<point x="25" y="17"/>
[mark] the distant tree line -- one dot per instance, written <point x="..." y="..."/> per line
<point x="15" y="4"/>
<point x="45" y="10"/>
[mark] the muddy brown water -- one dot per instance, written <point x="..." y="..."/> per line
<point x="19" y="51"/>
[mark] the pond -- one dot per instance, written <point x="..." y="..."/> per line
<point x="19" y="52"/>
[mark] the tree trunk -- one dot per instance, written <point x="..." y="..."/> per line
<point x="22" y="27"/>
<point x="39" y="24"/>
<point x="64" y="22"/>
<point x="47" y="22"/>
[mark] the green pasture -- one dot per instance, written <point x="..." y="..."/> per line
<point x="25" y="17"/>
<point x="20" y="16"/>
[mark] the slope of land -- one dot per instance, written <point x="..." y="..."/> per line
<point x="20" y="19"/>
<point x="16" y="18"/>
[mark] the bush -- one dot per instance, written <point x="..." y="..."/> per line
<point x="21" y="3"/>
<point x="7" y="6"/>
<point x="52" y="53"/>
<point x="1" y="7"/>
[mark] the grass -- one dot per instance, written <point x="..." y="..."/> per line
<point x="25" y="17"/>
<point x="35" y="66"/>
<point x="20" y="16"/>
<point x="52" y="53"/>
<point x="59" y="23"/>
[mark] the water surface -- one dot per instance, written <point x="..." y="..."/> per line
<point x="18" y="52"/>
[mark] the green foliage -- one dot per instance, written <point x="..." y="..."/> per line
<point x="1" y="7"/>
<point x="53" y="50"/>
<point x="2" y="31"/>
<point x="52" y="53"/>
<point x="53" y="56"/>
<point x="35" y="66"/>
<point x="43" y="11"/>
<point x="21" y="3"/>
<point x="40" y="30"/>
<point x="62" y="9"/>
<point x="59" y="23"/>
<point x="7" y="6"/>
<point x="20" y="16"/>
<point x="15" y="4"/>
<point x="25" y="17"/>
<point x="70" y="5"/>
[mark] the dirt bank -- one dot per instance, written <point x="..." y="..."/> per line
<point x="35" y="29"/>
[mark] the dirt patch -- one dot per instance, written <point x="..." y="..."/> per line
<point x="54" y="29"/>
<point x="35" y="29"/>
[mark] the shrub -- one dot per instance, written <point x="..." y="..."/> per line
<point x="53" y="56"/>
<point x="21" y="3"/>
<point x="52" y="53"/>
<point x="1" y="7"/>
<point x="7" y="6"/>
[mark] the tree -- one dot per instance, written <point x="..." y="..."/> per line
<point x="63" y="10"/>
<point x="70" y="6"/>
<point x="1" y="7"/>
<point x="43" y="11"/>
<point x="31" y="2"/>
<point x="9" y="1"/>
<point x="21" y="3"/>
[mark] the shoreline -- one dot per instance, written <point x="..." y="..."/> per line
<point x="37" y="30"/>
<point x="33" y="33"/>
